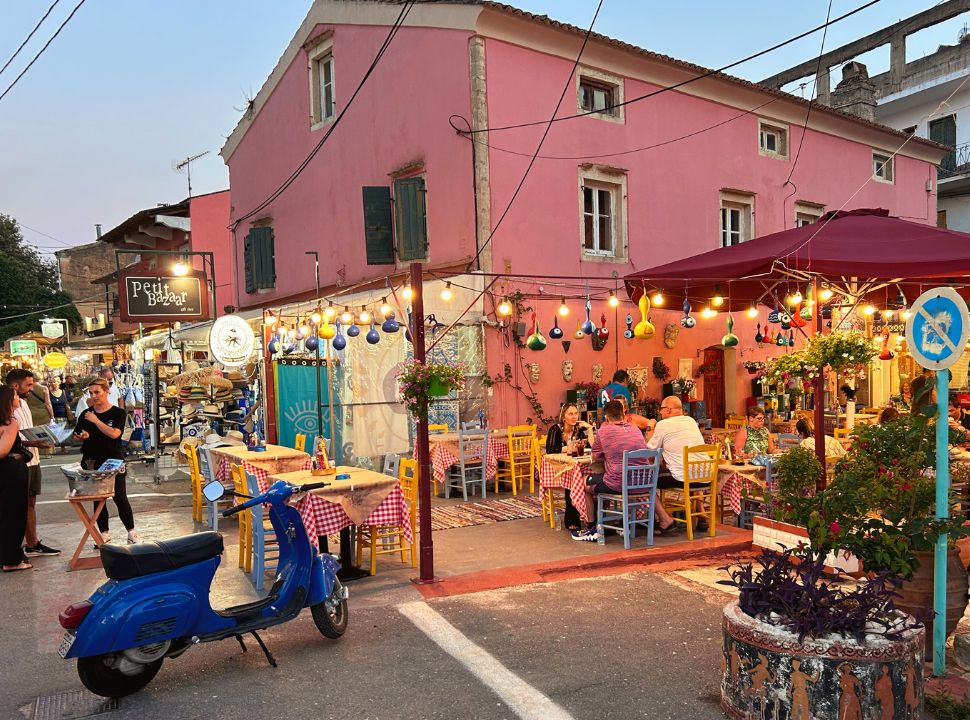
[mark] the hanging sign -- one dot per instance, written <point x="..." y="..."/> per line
<point x="23" y="347"/>
<point x="55" y="360"/>
<point x="52" y="330"/>
<point x="231" y="340"/>
<point x="938" y="328"/>
<point x="146" y="296"/>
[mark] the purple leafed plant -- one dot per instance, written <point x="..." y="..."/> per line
<point x="790" y="588"/>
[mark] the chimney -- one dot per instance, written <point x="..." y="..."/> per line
<point x="856" y="94"/>
<point x="97" y="230"/>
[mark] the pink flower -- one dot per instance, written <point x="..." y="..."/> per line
<point x="834" y="527"/>
<point x="905" y="486"/>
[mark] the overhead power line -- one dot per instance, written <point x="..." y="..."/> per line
<point x="29" y="36"/>
<point x="41" y="51"/>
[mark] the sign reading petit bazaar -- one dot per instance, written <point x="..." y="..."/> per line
<point x="145" y="297"/>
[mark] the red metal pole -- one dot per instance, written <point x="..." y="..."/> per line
<point x="424" y="465"/>
<point x="819" y="393"/>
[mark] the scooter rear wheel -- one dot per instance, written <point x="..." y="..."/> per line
<point x="100" y="675"/>
<point x="330" y="616"/>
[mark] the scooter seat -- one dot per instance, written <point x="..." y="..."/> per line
<point x="123" y="562"/>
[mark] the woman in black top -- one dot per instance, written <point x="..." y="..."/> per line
<point x="100" y="428"/>
<point x="13" y="485"/>
<point x="569" y="429"/>
<point x="58" y="400"/>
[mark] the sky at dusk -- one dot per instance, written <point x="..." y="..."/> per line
<point x="93" y="130"/>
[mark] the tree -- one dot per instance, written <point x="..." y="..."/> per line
<point x="28" y="285"/>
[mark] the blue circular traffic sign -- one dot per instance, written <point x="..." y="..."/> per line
<point x="938" y="328"/>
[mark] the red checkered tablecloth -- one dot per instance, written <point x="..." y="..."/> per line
<point x="444" y="453"/>
<point x="261" y="468"/>
<point x="558" y="471"/>
<point x="323" y="518"/>
<point x="733" y="480"/>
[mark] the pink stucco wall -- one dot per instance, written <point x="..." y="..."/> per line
<point x="399" y="117"/>
<point x="210" y="233"/>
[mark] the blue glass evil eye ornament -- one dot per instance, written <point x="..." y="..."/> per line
<point x="588" y="327"/>
<point x="339" y="342"/>
<point x="311" y="343"/>
<point x="373" y="337"/>
<point x="555" y="332"/>
<point x="390" y="325"/>
<point x="353" y="330"/>
<point x="687" y="321"/>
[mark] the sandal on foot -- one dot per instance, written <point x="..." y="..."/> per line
<point x="18" y="568"/>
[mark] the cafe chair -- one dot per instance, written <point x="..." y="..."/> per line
<point x="436" y="429"/>
<point x="265" y="548"/>
<point x="842" y="433"/>
<point x="300" y="442"/>
<point x="700" y="486"/>
<point x="245" y="517"/>
<point x="407" y="475"/>
<point x="470" y="468"/>
<point x="753" y="499"/>
<point x="636" y="498"/>
<point x="786" y="441"/>
<point x="391" y="464"/>
<point x="195" y="477"/>
<point x="389" y="539"/>
<point x="553" y="498"/>
<point x="735" y="423"/>
<point x="519" y="466"/>
<point x="830" y="463"/>
<point x="208" y="474"/>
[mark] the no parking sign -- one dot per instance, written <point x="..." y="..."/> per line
<point x="938" y="328"/>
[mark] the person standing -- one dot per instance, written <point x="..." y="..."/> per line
<point x="58" y="400"/>
<point x="99" y="429"/>
<point x="614" y="390"/>
<point x="13" y="485"/>
<point x="22" y="382"/>
<point x="114" y="396"/>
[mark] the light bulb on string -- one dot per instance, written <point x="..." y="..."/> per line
<point x="304" y="329"/>
<point x="887" y="313"/>
<point x="385" y="308"/>
<point x="447" y="294"/>
<point x="504" y="308"/>
<point x="346" y="316"/>
<point x="825" y="294"/>
<point x="657" y="299"/>
<point x="907" y="314"/>
<point x="717" y="301"/>
<point x="869" y="310"/>
<point x="407" y="293"/>
<point x="709" y="312"/>
<point x="796" y="298"/>
<point x="364" y="315"/>
<point x="613" y="301"/>
<point x="563" y="307"/>
<point x="752" y="312"/>
<point x="270" y="320"/>
<point x="329" y="312"/>
<point x="315" y="317"/>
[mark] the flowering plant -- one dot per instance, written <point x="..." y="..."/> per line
<point x="794" y="365"/>
<point x="682" y="385"/>
<point x="845" y="351"/>
<point x="420" y="381"/>
<point x="754" y="366"/>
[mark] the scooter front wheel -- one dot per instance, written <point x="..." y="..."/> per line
<point x="330" y="616"/>
<point x="113" y="675"/>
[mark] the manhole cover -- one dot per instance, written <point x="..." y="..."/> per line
<point x="70" y="705"/>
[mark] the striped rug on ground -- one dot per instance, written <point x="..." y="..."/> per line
<point x="485" y="511"/>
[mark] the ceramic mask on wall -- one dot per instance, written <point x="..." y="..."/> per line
<point x="567" y="370"/>
<point x="670" y="335"/>
<point x="597" y="372"/>
<point x="533" y="369"/>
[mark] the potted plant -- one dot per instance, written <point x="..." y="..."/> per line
<point x="800" y="644"/>
<point x="682" y="386"/>
<point x="847" y="352"/>
<point x="419" y="382"/>
<point x="754" y="366"/>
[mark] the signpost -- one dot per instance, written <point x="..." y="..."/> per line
<point x="23" y="347"/>
<point x="937" y="332"/>
<point x="162" y="298"/>
<point x="55" y="360"/>
<point x="232" y="341"/>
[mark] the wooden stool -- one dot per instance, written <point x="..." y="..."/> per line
<point x="90" y="529"/>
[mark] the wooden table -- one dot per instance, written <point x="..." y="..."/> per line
<point x="276" y="459"/>
<point x="90" y="529"/>
<point x="559" y="470"/>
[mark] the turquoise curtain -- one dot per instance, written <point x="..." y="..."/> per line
<point x="296" y="403"/>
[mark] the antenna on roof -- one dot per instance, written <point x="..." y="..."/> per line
<point x="187" y="164"/>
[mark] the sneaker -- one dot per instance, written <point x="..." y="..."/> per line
<point x="105" y="536"/>
<point x="40" y="549"/>
<point x="585" y="535"/>
<point x="133" y="537"/>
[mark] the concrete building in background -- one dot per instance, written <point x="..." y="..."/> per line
<point x="928" y="97"/>
<point x="77" y="267"/>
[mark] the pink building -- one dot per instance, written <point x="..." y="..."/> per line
<point x="630" y="184"/>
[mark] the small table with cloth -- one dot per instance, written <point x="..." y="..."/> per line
<point x="276" y="459"/>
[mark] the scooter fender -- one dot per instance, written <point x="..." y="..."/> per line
<point x="322" y="576"/>
<point x="138" y="616"/>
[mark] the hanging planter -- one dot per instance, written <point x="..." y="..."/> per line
<point x="419" y="382"/>
<point x="437" y="388"/>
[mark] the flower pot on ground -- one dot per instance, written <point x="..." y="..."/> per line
<point x="916" y="594"/>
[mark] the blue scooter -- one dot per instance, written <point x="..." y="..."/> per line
<point x="155" y="604"/>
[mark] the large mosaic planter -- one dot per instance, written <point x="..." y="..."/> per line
<point x="768" y="673"/>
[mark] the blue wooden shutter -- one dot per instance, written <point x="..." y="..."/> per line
<point x="377" y="225"/>
<point x="411" y="215"/>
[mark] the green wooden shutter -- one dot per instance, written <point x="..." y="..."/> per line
<point x="377" y="225"/>
<point x="249" y="256"/>
<point x="944" y="131"/>
<point x="411" y="216"/>
<point x="260" y="259"/>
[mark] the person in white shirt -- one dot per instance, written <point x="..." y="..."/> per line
<point x="672" y="433"/>
<point x="114" y="396"/>
<point x="22" y="382"/>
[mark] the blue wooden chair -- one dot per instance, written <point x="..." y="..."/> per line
<point x="786" y="441"/>
<point x="752" y="506"/>
<point x="266" y="552"/>
<point x="208" y="475"/>
<point x="470" y="469"/>
<point x="639" y="492"/>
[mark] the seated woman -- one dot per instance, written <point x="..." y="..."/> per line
<point x="904" y="401"/>
<point x="754" y="438"/>
<point x="806" y="431"/>
<point x="888" y="415"/>
<point x="955" y="419"/>
<point x="570" y="429"/>
<point x="638" y="421"/>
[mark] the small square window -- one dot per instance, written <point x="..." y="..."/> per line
<point x="599" y="94"/>
<point x="596" y="97"/>
<point x="772" y="140"/>
<point x="807" y="213"/>
<point x="882" y="167"/>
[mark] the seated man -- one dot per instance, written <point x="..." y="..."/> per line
<point x="671" y="435"/>
<point x="615" y="437"/>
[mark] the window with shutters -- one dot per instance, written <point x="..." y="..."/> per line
<point x="944" y="131"/>
<point x="323" y="103"/>
<point x="737" y="217"/>
<point x="260" y="259"/>
<point x="378" y="238"/>
<point x="411" y="218"/>
<point x="773" y="140"/>
<point x="602" y="213"/>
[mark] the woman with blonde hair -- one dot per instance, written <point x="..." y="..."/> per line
<point x="568" y="432"/>
<point x="806" y="431"/>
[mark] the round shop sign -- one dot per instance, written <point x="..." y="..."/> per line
<point x="231" y="340"/>
<point x="55" y="360"/>
<point x="938" y="328"/>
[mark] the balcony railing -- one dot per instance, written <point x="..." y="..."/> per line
<point x="955" y="163"/>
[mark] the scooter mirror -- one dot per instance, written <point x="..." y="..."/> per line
<point x="213" y="491"/>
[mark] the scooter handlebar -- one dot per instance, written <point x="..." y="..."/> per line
<point x="312" y="486"/>
<point x="262" y="498"/>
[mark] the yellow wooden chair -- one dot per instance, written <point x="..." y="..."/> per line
<point x="842" y="433"/>
<point x="195" y="476"/>
<point x="553" y="498"/>
<point x="437" y="429"/>
<point x="299" y="443"/>
<point x="700" y="486"/>
<point x="389" y="539"/>
<point x="734" y="423"/>
<point x="830" y="462"/>
<point x="520" y="465"/>
<point x="245" y="520"/>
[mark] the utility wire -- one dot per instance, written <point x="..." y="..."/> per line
<point x="562" y="96"/>
<point x="296" y="173"/>
<point x="50" y="237"/>
<point x="29" y="36"/>
<point x="668" y="88"/>
<point x="41" y="51"/>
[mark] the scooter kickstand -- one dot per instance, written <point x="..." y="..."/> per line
<point x="262" y="645"/>
<point x="241" y="643"/>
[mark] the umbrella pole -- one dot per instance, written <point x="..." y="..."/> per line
<point x="819" y="393"/>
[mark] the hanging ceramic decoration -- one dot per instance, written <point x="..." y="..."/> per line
<point x="373" y="337"/>
<point x="556" y="332"/>
<point x="886" y="353"/>
<point x="579" y="334"/>
<point x="628" y="333"/>
<point x="339" y="341"/>
<point x="311" y="343"/>
<point x="758" y="337"/>
<point x="566" y="344"/>
<point x="730" y="340"/>
<point x="535" y="341"/>
<point x="796" y="319"/>
<point x="785" y="319"/>
<point x="354" y="329"/>
<point x="587" y="327"/>
<point x="407" y="330"/>
<point x="781" y="340"/>
<point x="687" y="321"/>
<point x="273" y="347"/>
<point x="326" y="331"/>
<point x="601" y="335"/>
<point x="644" y="329"/>
<point x="390" y="325"/>
<point x="670" y="335"/>
<point x="791" y="338"/>
<point x="773" y="317"/>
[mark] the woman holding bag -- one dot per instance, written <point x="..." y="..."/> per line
<point x="13" y="485"/>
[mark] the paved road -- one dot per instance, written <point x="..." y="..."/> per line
<point x="628" y="646"/>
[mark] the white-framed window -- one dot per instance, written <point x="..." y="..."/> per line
<point x="323" y="98"/>
<point x="737" y="217"/>
<point x="772" y="139"/>
<point x="602" y="212"/>
<point x="807" y="213"/>
<point x="599" y="93"/>
<point x="882" y="167"/>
